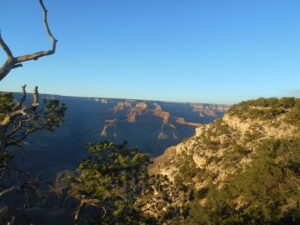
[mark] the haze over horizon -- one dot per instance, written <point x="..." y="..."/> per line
<point x="182" y="51"/>
<point x="121" y="98"/>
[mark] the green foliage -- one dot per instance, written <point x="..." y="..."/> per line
<point x="240" y="149"/>
<point x="217" y="209"/>
<point x="248" y="217"/>
<point x="286" y="102"/>
<point x="221" y="128"/>
<point x="202" y="192"/>
<point x="18" y="120"/>
<point x="6" y="104"/>
<point x="48" y="116"/>
<point x="187" y="169"/>
<point x="115" y="178"/>
<point x="263" y="108"/>
<point x="266" y="192"/>
<point x="293" y="117"/>
<point x="208" y="143"/>
<point x="115" y="161"/>
<point x="52" y="115"/>
<point x="24" y="120"/>
<point x="252" y="135"/>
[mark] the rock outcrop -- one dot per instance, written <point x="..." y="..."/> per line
<point x="227" y="145"/>
<point x="137" y="111"/>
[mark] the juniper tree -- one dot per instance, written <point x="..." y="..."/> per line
<point x="115" y="181"/>
<point x="18" y="118"/>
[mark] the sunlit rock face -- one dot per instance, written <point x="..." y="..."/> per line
<point x="153" y="126"/>
<point x="227" y="145"/>
<point x="249" y="154"/>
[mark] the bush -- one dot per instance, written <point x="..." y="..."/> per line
<point x="263" y="108"/>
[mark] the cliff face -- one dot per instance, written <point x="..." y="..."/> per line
<point x="243" y="168"/>
<point x="233" y="144"/>
<point x="135" y="114"/>
<point x="144" y="123"/>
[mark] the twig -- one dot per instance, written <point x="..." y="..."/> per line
<point x="15" y="62"/>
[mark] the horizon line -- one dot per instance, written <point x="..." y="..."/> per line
<point x="135" y="99"/>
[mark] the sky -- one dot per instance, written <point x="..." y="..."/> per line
<point x="212" y="51"/>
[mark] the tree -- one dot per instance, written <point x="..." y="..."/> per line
<point x="110" y="179"/>
<point x="115" y="181"/>
<point x="17" y="122"/>
<point x="18" y="119"/>
<point x="13" y="62"/>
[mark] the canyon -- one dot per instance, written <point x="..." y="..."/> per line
<point x="150" y="126"/>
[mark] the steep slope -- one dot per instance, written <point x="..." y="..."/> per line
<point x="244" y="164"/>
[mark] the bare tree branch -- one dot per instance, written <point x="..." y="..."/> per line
<point x="5" y="48"/>
<point x="15" y="141"/>
<point x="6" y="191"/>
<point x="21" y="120"/>
<point x="17" y="126"/>
<point x="15" y="62"/>
<point x="35" y="97"/>
<point x="30" y="183"/>
<point x="20" y="103"/>
<point x="19" y="110"/>
<point x="16" y="118"/>
<point x="78" y="213"/>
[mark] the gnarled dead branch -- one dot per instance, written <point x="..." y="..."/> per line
<point x="17" y="117"/>
<point x="21" y="120"/>
<point x="19" y="110"/>
<point x="15" y="62"/>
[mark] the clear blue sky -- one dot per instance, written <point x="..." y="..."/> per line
<point x="218" y="51"/>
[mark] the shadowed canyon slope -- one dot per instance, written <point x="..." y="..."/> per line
<point x="151" y="126"/>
